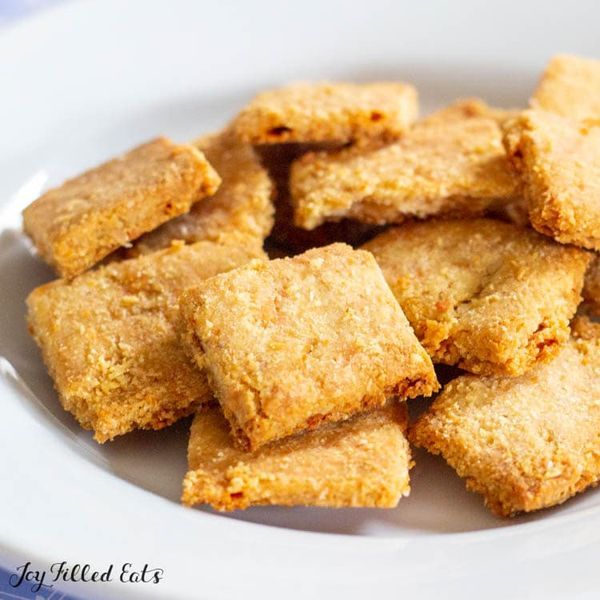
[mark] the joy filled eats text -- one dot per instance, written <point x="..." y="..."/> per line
<point x="37" y="579"/>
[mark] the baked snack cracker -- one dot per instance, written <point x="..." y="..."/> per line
<point x="80" y="222"/>
<point x="491" y="297"/>
<point x="291" y="343"/>
<point x="108" y="338"/>
<point x="451" y="163"/>
<point x="363" y="461"/>
<point x="570" y="86"/>
<point x="241" y="211"/>
<point x="558" y="160"/>
<point x="591" y="288"/>
<point x="318" y="112"/>
<point x="528" y="442"/>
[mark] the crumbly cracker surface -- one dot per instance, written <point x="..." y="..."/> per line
<point x="241" y="211"/>
<point x="558" y="160"/>
<point x="80" y="222"/>
<point x="524" y="443"/>
<point x="361" y="462"/>
<point x="591" y="288"/>
<point x="108" y="338"/>
<point x="570" y="86"/>
<point x="291" y="343"/>
<point x="491" y="297"/>
<point x="453" y="162"/>
<point x="318" y="112"/>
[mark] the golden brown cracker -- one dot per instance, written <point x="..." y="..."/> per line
<point x="570" y="86"/>
<point x="361" y="462"/>
<point x="77" y="224"/>
<point x="524" y="443"/>
<point x="241" y="211"/>
<point x="447" y="164"/>
<point x="321" y="112"/>
<point x="291" y="343"/>
<point x="558" y="160"/>
<point x="490" y="297"/>
<point x="108" y="338"/>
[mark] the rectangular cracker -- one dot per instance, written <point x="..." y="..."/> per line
<point x="241" y="211"/>
<point x="109" y="341"/>
<point x="451" y="163"/>
<point x="361" y="462"/>
<point x="570" y="86"/>
<point x="491" y="297"/>
<point x="291" y="343"/>
<point x="528" y="442"/>
<point x="319" y="112"/>
<point x="558" y="160"/>
<point x="591" y="288"/>
<point x="80" y="222"/>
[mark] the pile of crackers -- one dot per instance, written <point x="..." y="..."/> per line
<point x="292" y="280"/>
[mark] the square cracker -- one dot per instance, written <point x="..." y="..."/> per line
<point x="109" y="341"/>
<point x="488" y="296"/>
<point x="241" y="211"/>
<point x="558" y="160"/>
<point x="291" y="343"/>
<point x="452" y="162"/>
<point x="570" y="86"/>
<point x="361" y="462"/>
<point x="527" y="442"/>
<point x="80" y="222"/>
<point x="321" y="112"/>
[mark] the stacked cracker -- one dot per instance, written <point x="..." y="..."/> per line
<point x="298" y="368"/>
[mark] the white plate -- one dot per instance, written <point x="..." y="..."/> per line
<point x="89" y="79"/>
